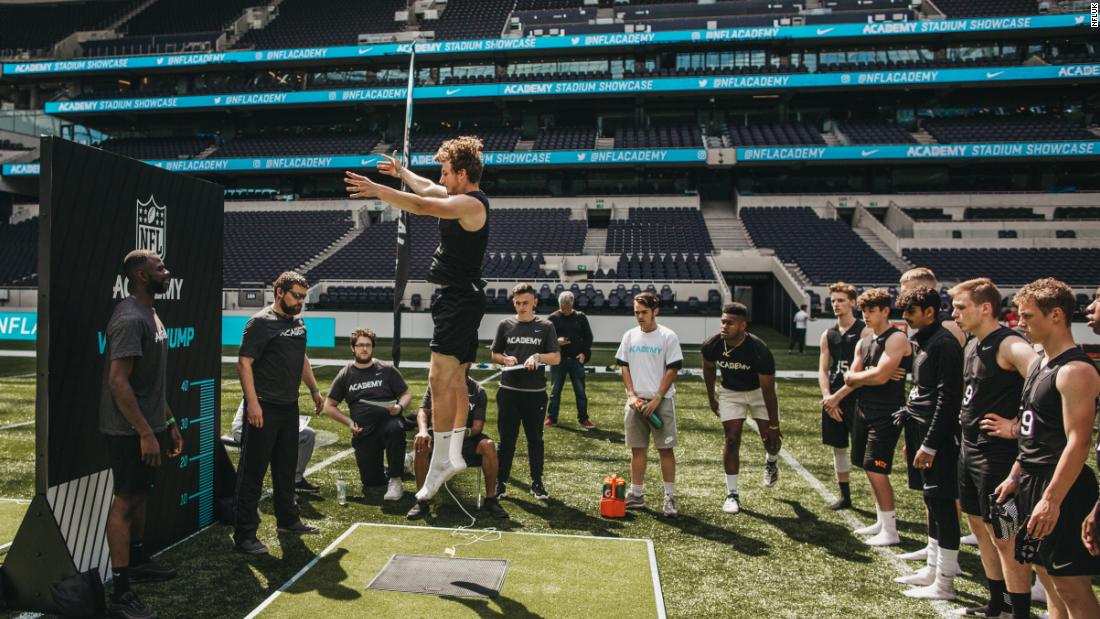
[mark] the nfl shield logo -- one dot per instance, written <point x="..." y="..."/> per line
<point x="151" y="220"/>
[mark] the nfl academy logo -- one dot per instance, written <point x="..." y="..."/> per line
<point x="151" y="220"/>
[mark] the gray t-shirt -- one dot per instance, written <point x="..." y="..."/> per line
<point x="136" y="332"/>
<point x="357" y="386"/>
<point x="521" y="340"/>
<point x="479" y="402"/>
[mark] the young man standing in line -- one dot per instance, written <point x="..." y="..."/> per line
<point x="838" y="348"/>
<point x="650" y="358"/>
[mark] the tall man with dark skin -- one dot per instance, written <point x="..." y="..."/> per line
<point x="272" y="362"/>
<point x="1054" y="486"/>
<point x="463" y="212"/>
<point x="137" y="425"/>
<point x="997" y="360"/>
<point x="747" y="389"/>
<point x="931" y="423"/>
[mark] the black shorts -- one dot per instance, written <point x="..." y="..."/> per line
<point x="874" y="441"/>
<point x="469" y="449"/>
<point x="457" y="316"/>
<point x="981" y="470"/>
<point x="942" y="480"/>
<point x="1061" y="552"/>
<point x="132" y="477"/>
<point x="837" y="433"/>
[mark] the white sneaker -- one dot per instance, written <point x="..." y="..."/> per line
<point x="1038" y="592"/>
<point x="942" y="589"/>
<point x="916" y="555"/>
<point x="870" y="529"/>
<point x="670" y="506"/>
<point x="394" y="491"/>
<point x="921" y="578"/>
<point x="971" y="540"/>
<point x="732" y="504"/>
<point x="883" y="538"/>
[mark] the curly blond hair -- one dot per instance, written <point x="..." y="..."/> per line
<point x="875" y="297"/>
<point x="1049" y="294"/>
<point x="464" y="153"/>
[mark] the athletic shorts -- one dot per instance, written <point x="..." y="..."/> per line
<point x="733" y="405"/>
<point x="638" y="427"/>
<point x="874" y="441"/>
<point x="457" y="315"/>
<point x="980" y="472"/>
<point x="469" y="449"/>
<point x="1061" y="552"/>
<point x="133" y="477"/>
<point x="837" y="433"/>
<point x="942" y="480"/>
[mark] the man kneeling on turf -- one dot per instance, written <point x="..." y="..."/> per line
<point x="477" y="449"/>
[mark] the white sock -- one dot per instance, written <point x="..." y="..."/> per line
<point x="731" y="483"/>
<point x="441" y="450"/>
<point x="771" y="457"/>
<point x="889" y="521"/>
<point x="842" y="462"/>
<point x="455" y="451"/>
<point x="933" y="552"/>
<point x="670" y="488"/>
<point x="948" y="562"/>
<point x="636" y="490"/>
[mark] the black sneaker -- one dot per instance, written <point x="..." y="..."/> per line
<point x="304" y="487"/>
<point x="251" y="546"/>
<point x="983" y="611"/>
<point x="539" y="492"/>
<point x="151" y="571"/>
<point x="421" y="509"/>
<point x="840" y="504"/>
<point x="501" y="490"/>
<point x="128" y="606"/>
<point x="492" y="505"/>
<point x="299" y="527"/>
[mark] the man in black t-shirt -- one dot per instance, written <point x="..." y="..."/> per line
<point x="477" y="449"/>
<point x="272" y="362"/>
<point x="377" y="396"/>
<point x="136" y="424"/>
<point x="1056" y="489"/>
<point x="523" y="345"/>
<point x="575" y="339"/>
<point x="462" y="209"/>
<point x="748" y="388"/>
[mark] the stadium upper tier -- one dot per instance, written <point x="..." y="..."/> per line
<point x="1076" y="267"/>
<point x="180" y="26"/>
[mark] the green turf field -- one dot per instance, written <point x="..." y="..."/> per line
<point x="785" y="555"/>
<point x="11" y="514"/>
<point x="591" y="577"/>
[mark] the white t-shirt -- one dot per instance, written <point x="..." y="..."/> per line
<point x="800" y="319"/>
<point x="648" y="355"/>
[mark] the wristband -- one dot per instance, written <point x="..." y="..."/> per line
<point x="660" y="396"/>
<point x="771" y="427"/>
<point x="313" y="390"/>
<point x="538" y="358"/>
<point x="399" y="405"/>
<point x="171" y="421"/>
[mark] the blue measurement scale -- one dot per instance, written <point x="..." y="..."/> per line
<point x="204" y="458"/>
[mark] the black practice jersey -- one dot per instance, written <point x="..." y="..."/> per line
<point x="989" y="388"/>
<point x="457" y="260"/>
<point x="936" y="392"/>
<point x="842" y="349"/>
<point x="1042" y="431"/>
<point x="884" y="399"/>
<point x="742" y="366"/>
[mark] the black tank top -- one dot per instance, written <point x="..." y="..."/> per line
<point x="842" y="349"/>
<point x="1042" y="431"/>
<point x="884" y="399"/>
<point x="989" y="388"/>
<point x="457" y="260"/>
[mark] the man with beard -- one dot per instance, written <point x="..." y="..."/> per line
<point x="272" y="362"/>
<point x="137" y="425"/>
<point x="376" y="396"/>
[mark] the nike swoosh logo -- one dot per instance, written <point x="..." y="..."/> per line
<point x="821" y="31"/>
<point x="868" y="153"/>
<point x="993" y="74"/>
<point x="984" y="348"/>
<point x="365" y="50"/>
<point x="451" y="92"/>
<point x="1058" y="567"/>
<point x="931" y="487"/>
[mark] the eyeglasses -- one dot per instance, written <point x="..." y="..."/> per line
<point x="362" y="345"/>
<point x="301" y="296"/>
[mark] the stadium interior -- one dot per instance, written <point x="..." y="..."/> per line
<point x="697" y="233"/>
